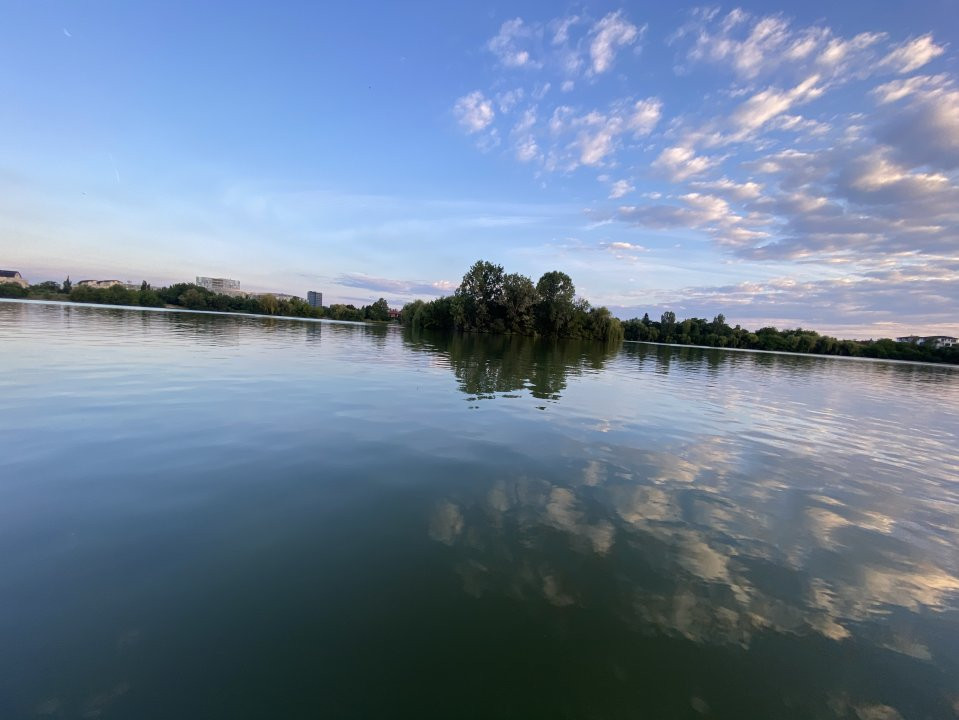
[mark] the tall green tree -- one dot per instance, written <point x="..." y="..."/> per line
<point x="667" y="324"/>
<point x="193" y="299"/>
<point x="481" y="295"/>
<point x="269" y="304"/>
<point x="408" y="315"/>
<point x="519" y="298"/>
<point x="380" y="310"/>
<point x="603" y="326"/>
<point x="555" y="308"/>
<point x="150" y="298"/>
<point x="46" y="287"/>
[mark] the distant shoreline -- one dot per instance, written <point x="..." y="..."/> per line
<point x="948" y="365"/>
<point x="143" y="308"/>
<point x="190" y="296"/>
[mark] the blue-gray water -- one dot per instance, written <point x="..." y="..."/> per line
<point x="224" y="517"/>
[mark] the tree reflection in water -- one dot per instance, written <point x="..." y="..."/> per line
<point x="487" y="365"/>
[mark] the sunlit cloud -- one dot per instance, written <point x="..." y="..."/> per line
<point x="474" y="111"/>
<point x="913" y="54"/>
<point x="608" y="35"/>
<point x="508" y="44"/>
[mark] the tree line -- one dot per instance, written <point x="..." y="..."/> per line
<point x="699" y="331"/>
<point x="489" y="300"/>
<point x="194" y="297"/>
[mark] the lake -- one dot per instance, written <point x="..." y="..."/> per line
<point x="209" y="516"/>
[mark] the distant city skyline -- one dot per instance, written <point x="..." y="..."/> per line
<point x="794" y="164"/>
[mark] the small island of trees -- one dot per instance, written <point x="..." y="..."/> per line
<point x="489" y="300"/>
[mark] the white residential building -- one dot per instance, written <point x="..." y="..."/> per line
<point x="224" y="286"/>
<point x="217" y="285"/>
<point x="99" y="283"/>
<point x="936" y="341"/>
<point x="13" y="277"/>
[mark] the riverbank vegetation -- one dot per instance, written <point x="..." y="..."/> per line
<point x="194" y="297"/>
<point x="699" y="331"/>
<point x="489" y="300"/>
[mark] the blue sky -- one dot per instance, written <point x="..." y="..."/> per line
<point x="794" y="164"/>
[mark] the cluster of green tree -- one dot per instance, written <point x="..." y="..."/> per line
<point x="491" y="301"/>
<point x="194" y="297"/>
<point x="377" y="312"/>
<point x="699" y="331"/>
<point x="41" y="291"/>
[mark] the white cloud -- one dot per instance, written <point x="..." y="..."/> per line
<point x="619" y="189"/>
<point x="797" y="123"/>
<point x="919" y="84"/>
<point x="474" y="111"/>
<point x="748" y="55"/>
<point x="708" y="208"/>
<point x="559" y="120"/>
<point x="622" y="250"/>
<point x="913" y="54"/>
<point x="600" y="133"/>
<point x="598" y="142"/>
<point x="645" y="115"/>
<point x="680" y="162"/>
<point x="526" y="122"/>
<point x="571" y="62"/>
<point x="562" y="26"/>
<point x="506" y="44"/>
<point x="525" y="144"/>
<point x="838" y="53"/>
<point x="507" y="100"/>
<point x="700" y="211"/>
<point x="736" y="191"/>
<point x="766" y="105"/>
<point x="609" y="34"/>
<point x="527" y="149"/>
<point x="875" y="173"/>
<point x="753" y="46"/>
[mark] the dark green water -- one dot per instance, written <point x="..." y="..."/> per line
<point x="224" y="517"/>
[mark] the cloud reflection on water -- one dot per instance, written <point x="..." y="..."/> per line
<point x="795" y="520"/>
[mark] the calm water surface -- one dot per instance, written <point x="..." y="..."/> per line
<point x="223" y="517"/>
